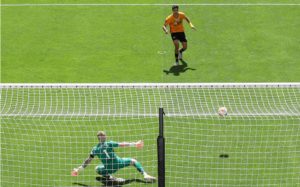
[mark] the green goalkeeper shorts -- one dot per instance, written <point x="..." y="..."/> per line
<point x="113" y="167"/>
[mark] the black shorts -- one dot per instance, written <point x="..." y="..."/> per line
<point x="178" y="36"/>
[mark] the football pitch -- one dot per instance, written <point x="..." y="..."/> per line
<point x="126" y="43"/>
<point x="67" y="41"/>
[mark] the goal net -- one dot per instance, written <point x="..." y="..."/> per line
<point x="49" y="129"/>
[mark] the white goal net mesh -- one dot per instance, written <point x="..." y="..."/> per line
<point x="48" y="129"/>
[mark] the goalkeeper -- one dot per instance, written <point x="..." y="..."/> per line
<point x="175" y="22"/>
<point x="111" y="163"/>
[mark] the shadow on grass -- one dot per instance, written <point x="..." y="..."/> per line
<point x="118" y="184"/>
<point x="176" y="70"/>
<point x="106" y="183"/>
<point x="80" y="184"/>
<point x="109" y="183"/>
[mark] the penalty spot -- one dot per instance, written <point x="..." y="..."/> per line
<point x="161" y="52"/>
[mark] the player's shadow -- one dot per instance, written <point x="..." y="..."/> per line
<point x="176" y="70"/>
<point x="80" y="184"/>
<point x="118" y="184"/>
<point x="112" y="183"/>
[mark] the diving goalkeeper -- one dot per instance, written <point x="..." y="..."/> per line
<point x="111" y="163"/>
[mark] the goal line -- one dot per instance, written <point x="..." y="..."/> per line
<point x="151" y="85"/>
<point x="154" y="4"/>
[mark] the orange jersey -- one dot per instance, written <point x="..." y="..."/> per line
<point x="176" y="24"/>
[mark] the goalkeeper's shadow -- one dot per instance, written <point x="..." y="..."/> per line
<point x="113" y="183"/>
<point x="177" y="69"/>
<point x="127" y="181"/>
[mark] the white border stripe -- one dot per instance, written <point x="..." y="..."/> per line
<point x="156" y="4"/>
<point x="151" y="85"/>
<point x="150" y="115"/>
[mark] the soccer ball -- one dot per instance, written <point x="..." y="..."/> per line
<point x="222" y="111"/>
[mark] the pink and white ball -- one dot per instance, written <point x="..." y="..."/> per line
<point x="222" y="111"/>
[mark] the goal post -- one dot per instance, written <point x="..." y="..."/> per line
<point x="161" y="150"/>
<point x="48" y="129"/>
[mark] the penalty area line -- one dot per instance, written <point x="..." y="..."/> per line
<point x="154" y="4"/>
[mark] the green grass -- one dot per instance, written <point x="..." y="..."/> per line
<point x="121" y="44"/>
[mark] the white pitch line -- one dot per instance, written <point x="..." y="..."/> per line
<point x="155" y="4"/>
<point x="294" y="114"/>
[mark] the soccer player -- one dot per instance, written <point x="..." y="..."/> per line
<point x="175" y="22"/>
<point x="111" y="163"/>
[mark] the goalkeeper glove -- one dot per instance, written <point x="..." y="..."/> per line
<point x="76" y="171"/>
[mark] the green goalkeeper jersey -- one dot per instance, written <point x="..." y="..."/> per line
<point x="105" y="152"/>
